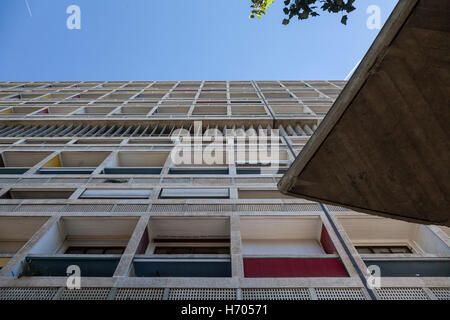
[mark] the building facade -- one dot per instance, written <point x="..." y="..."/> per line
<point x="168" y="190"/>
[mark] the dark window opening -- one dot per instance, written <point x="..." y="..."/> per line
<point x="95" y="250"/>
<point x="383" y="249"/>
<point x="192" y="250"/>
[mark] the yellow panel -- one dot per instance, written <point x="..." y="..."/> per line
<point x="3" y="262"/>
<point x="6" y="111"/>
<point x="54" y="162"/>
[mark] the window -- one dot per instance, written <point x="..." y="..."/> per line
<point x="192" y="171"/>
<point x="144" y="170"/>
<point x="116" y="194"/>
<point x="66" y="170"/>
<point x="193" y="193"/>
<point x="13" y="170"/>
<point x="42" y="141"/>
<point x="95" y="250"/>
<point x="191" y="250"/>
<point x="191" y="246"/>
<point x="38" y="194"/>
<point x="383" y="249"/>
<point x="98" y="141"/>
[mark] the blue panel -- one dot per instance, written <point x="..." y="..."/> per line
<point x="148" y="268"/>
<point x="412" y="268"/>
<point x="133" y="170"/>
<point x="66" y="170"/>
<point x="13" y="170"/>
<point x="57" y="266"/>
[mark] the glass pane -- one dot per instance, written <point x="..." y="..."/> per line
<point x="402" y="249"/>
<point x="381" y="250"/>
<point x="75" y="250"/>
<point x="94" y="250"/>
<point x="114" y="250"/>
<point x="173" y="250"/>
<point x="211" y="250"/>
<point x="363" y="250"/>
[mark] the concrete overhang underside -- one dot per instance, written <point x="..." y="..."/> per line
<point x="383" y="148"/>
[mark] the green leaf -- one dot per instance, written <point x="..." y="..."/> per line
<point x="344" y="19"/>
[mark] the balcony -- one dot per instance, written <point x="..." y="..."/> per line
<point x="184" y="247"/>
<point x="399" y="248"/>
<point x="137" y="162"/>
<point x="376" y="232"/>
<point x="18" y="111"/>
<point x="16" y="231"/>
<point x="18" y="162"/>
<point x="94" y="244"/>
<point x="278" y="247"/>
<point x="74" y="162"/>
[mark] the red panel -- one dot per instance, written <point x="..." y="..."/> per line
<point x="326" y="242"/>
<point x="284" y="267"/>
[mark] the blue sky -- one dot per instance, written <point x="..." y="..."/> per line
<point x="177" y="40"/>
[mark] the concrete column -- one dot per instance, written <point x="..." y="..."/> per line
<point x="126" y="260"/>
<point x="237" y="266"/>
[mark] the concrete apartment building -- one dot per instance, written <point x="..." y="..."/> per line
<point x="88" y="179"/>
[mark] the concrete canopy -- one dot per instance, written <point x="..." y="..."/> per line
<point x="383" y="148"/>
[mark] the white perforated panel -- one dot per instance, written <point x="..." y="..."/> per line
<point x="302" y="207"/>
<point x="402" y="294"/>
<point x="276" y="294"/>
<point x="85" y="294"/>
<point x="40" y="208"/>
<point x="202" y="294"/>
<point x="258" y="207"/>
<point x="7" y="208"/>
<point x="90" y="208"/>
<point x="441" y="293"/>
<point x="8" y="180"/>
<point x="139" y="294"/>
<point x="131" y="208"/>
<point x="339" y="294"/>
<point x="167" y="208"/>
<point x="209" y="207"/>
<point x="336" y="208"/>
<point x="27" y="293"/>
